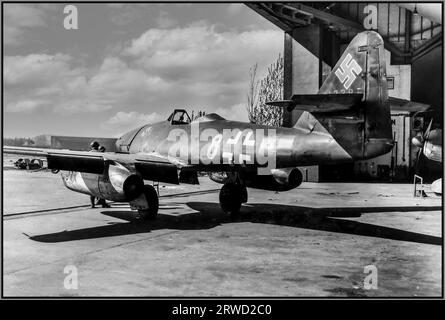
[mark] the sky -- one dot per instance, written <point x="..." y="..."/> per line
<point x="128" y="64"/>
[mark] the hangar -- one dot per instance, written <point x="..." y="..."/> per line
<point x="315" y="36"/>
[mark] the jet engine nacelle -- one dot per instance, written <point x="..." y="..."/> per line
<point x="289" y="177"/>
<point x="117" y="183"/>
<point x="279" y="180"/>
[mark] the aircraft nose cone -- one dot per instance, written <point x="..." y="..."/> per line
<point x="417" y="141"/>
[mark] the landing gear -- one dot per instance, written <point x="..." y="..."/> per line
<point x="151" y="196"/>
<point x="231" y="196"/>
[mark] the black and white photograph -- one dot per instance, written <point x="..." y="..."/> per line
<point x="222" y="150"/>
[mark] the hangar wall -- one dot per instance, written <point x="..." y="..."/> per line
<point x="427" y="81"/>
<point x="304" y="70"/>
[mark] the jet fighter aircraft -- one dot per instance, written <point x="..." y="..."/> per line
<point x="430" y="144"/>
<point x="349" y="119"/>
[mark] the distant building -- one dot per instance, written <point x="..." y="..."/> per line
<point x="72" y="143"/>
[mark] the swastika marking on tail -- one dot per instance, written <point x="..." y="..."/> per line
<point x="345" y="73"/>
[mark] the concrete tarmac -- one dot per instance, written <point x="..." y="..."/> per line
<point x="315" y="240"/>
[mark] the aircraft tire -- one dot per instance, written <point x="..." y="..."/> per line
<point x="244" y="194"/>
<point x="153" y="204"/>
<point x="231" y="197"/>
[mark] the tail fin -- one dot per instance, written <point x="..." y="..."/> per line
<point x="348" y="75"/>
<point x="352" y="105"/>
<point x="362" y="69"/>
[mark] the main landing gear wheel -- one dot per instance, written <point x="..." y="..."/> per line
<point x="231" y="196"/>
<point x="153" y="204"/>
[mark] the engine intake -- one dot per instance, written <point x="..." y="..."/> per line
<point x="123" y="182"/>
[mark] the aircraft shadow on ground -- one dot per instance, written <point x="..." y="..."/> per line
<point x="208" y="215"/>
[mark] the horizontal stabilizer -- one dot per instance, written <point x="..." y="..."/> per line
<point x="407" y="105"/>
<point x="319" y="102"/>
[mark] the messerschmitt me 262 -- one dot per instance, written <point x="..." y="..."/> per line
<point x="349" y="119"/>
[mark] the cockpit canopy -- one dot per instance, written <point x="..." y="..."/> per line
<point x="179" y="116"/>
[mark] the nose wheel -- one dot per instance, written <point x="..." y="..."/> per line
<point x="231" y="196"/>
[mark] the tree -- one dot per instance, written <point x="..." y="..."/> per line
<point x="252" y="94"/>
<point x="270" y="88"/>
<point x="18" y="142"/>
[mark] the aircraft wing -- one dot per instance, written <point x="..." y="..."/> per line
<point x="319" y="102"/>
<point x="150" y="166"/>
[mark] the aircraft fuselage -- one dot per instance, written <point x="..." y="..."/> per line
<point x="218" y="143"/>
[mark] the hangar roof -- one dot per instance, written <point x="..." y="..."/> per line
<point x="407" y="34"/>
